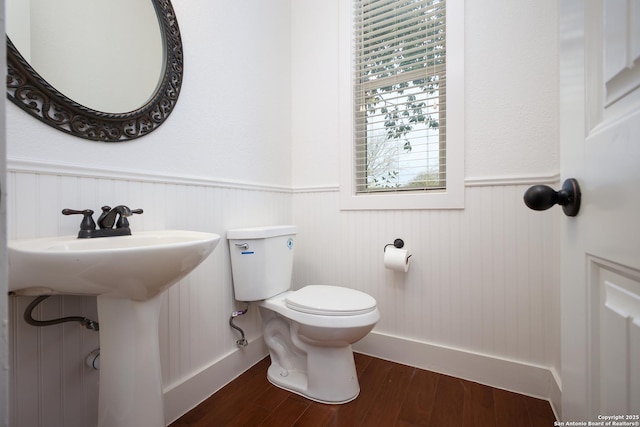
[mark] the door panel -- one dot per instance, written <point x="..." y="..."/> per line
<point x="618" y="319"/>
<point x="621" y="49"/>
<point x="600" y="248"/>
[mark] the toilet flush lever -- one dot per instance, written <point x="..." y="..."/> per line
<point x="242" y="245"/>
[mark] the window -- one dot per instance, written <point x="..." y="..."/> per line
<point x="401" y="75"/>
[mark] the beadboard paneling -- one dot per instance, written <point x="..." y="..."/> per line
<point x="50" y="385"/>
<point x="484" y="279"/>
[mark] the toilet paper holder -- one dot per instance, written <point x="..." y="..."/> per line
<point x="398" y="243"/>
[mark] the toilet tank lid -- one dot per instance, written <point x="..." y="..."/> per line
<point x="261" y="232"/>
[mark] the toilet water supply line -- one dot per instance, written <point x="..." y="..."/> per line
<point x="242" y="342"/>
<point x="93" y="325"/>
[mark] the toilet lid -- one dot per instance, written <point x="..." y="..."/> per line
<point x="330" y="301"/>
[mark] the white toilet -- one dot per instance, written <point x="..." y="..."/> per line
<point x="309" y="332"/>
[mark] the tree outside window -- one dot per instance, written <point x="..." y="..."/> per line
<point x="400" y="95"/>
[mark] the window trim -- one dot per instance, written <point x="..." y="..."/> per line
<point x="453" y="196"/>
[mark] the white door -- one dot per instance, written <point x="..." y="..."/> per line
<point x="600" y="147"/>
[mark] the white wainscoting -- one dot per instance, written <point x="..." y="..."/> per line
<point x="50" y="385"/>
<point x="483" y="284"/>
<point x="482" y="281"/>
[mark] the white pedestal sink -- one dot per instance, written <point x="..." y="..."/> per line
<point x="128" y="275"/>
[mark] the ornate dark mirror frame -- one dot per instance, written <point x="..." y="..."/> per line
<point x="29" y="91"/>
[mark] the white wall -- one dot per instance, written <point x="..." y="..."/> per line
<point x="511" y="83"/>
<point x="222" y="160"/>
<point x="233" y="117"/>
<point x="483" y="282"/>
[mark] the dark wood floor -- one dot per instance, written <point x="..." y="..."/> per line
<point x="391" y="395"/>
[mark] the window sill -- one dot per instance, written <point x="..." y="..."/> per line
<point x="451" y="199"/>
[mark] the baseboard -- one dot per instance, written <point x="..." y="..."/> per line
<point x="180" y="398"/>
<point x="519" y="377"/>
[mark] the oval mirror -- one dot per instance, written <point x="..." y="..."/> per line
<point x="95" y="80"/>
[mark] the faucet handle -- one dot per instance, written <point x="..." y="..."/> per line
<point x="87" y="221"/>
<point x="123" y="221"/>
<point x="75" y="212"/>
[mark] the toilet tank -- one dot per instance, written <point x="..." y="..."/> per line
<point x="261" y="260"/>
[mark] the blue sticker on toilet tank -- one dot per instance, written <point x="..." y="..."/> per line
<point x="247" y="252"/>
<point x="290" y="243"/>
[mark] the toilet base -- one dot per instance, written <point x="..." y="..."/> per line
<point x="330" y="377"/>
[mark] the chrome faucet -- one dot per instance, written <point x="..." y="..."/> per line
<point x="106" y="221"/>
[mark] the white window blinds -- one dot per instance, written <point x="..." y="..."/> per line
<point x="399" y="93"/>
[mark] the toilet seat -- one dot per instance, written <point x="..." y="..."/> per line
<point x="330" y="301"/>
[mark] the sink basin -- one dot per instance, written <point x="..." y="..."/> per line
<point x="128" y="275"/>
<point x="136" y="267"/>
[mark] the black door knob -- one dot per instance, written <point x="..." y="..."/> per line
<point x="542" y="197"/>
